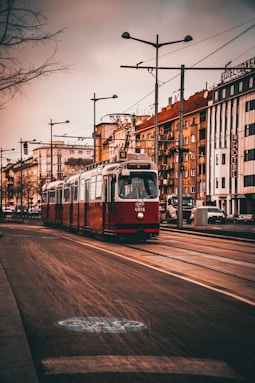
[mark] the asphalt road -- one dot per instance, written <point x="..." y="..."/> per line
<point x="91" y="316"/>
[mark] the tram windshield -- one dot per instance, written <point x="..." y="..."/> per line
<point x="138" y="186"/>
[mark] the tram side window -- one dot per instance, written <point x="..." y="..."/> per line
<point x="59" y="196"/>
<point x="66" y="194"/>
<point x="92" y="188"/>
<point x="96" y="187"/>
<point x="82" y="189"/>
<point x="44" y="197"/>
<point x="75" y="191"/>
<point x="99" y="185"/>
<point x="52" y="196"/>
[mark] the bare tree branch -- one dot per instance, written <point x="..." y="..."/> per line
<point x="20" y="29"/>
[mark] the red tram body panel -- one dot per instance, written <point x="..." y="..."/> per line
<point x="115" y="199"/>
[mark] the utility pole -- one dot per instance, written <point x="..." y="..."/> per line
<point x="180" y="157"/>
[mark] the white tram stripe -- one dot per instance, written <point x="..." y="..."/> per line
<point x="138" y="364"/>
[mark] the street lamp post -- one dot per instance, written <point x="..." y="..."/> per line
<point x="180" y="156"/>
<point x="95" y="99"/>
<point x="51" y="144"/>
<point x="1" y="152"/>
<point x="156" y="45"/>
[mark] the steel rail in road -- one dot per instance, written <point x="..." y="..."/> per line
<point x="166" y="268"/>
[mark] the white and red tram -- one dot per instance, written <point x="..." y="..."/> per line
<point x="116" y="199"/>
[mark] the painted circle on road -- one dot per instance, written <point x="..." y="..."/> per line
<point x="101" y="324"/>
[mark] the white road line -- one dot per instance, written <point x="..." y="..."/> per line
<point x="188" y="279"/>
<point x="138" y="364"/>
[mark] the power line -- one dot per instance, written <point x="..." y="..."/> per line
<point x="199" y="61"/>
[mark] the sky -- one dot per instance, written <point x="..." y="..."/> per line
<point x="92" y="45"/>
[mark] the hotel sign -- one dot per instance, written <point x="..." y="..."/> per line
<point x="239" y="70"/>
<point x="234" y="155"/>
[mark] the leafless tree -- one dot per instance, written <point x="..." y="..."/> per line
<point x="22" y="28"/>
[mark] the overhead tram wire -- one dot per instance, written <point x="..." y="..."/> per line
<point x="198" y="62"/>
<point x="200" y="41"/>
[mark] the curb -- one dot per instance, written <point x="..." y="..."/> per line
<point x="16" y="360"/>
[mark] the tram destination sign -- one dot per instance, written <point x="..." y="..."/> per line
<point x="138" y="165"/>
<point x="239" y="70"/>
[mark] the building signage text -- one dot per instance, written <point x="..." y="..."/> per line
<point x="239" y="70"/>
<point x="234" y="155"/>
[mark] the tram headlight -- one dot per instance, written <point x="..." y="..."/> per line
<point x="140" y="215"/>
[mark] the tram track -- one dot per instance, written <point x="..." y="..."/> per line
<point x="216" y="264"/>
<point x="213" y="268"/>
<point x="241" y="257"/>
<point x="228" y="270"/>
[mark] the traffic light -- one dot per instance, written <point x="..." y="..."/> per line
<point x="25" y="147"/>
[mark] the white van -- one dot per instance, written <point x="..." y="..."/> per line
<point x="214" y="214"/>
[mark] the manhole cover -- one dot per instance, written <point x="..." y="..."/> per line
<point x="101" y="324"/>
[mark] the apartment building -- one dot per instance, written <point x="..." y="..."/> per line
<point x="194" y="140"/>
<point x="22" y="181"/>
<point x="65" y="160"/>
<point x="112" y="137"/>
<point x="231" y="142"/>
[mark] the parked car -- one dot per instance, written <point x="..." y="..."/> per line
<point x="214" y="214"/>
<point x="34" y="212"/>
<point x="245" y="218"/>
<point x="21" y="209"/>
<point x="7" y="210"/>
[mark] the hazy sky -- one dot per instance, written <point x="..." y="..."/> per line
<point x="92" y="43"/>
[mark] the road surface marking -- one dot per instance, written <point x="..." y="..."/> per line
<point x="138" y="364"/>
<point x="101" y="324"/>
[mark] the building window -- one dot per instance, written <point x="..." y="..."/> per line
<point x="71" y="151"/>
<point x="217" y="183"/>
<point x="223" y="92"/>
<point x="186" y="157"/>
<point x="240" y="86"/>
<point x="249" y="155"/>
<point x="249" y="130"/>
<point x="232" y="90"/>
<point x="202" y="116"/>
<point x="223" y="159"/>
<point x="250" y="105"/>
<point x="193" y="189"/>
<point x="186" y="141"/>
<point x="251" y="82"/>
<point x="223" y="182"/>
<point x="249" y="180"/>
<point x="202" y="134"/>
<point x="80" y="151"/>
<point x="217" y="159"/>
<point x="216" y="95"/>
<point x="192" y="172"/>
<point x="193" y="138"/>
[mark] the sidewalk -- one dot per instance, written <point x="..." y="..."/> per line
<point x="16" y="364"/>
